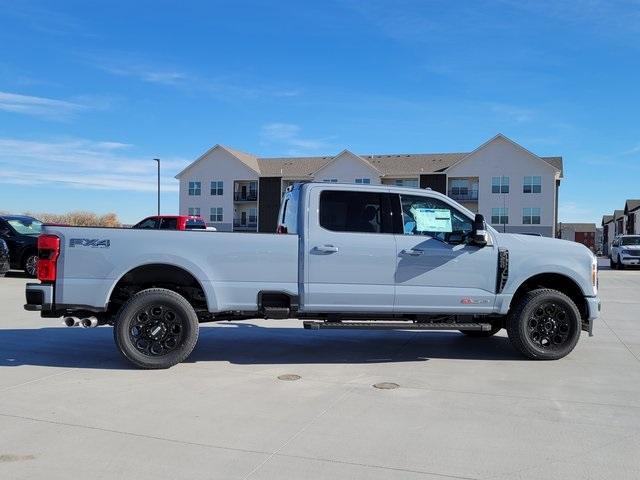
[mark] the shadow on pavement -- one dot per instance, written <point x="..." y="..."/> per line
<point x="247" y="344"/>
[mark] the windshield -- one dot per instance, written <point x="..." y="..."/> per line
<point x="630" y="240"/>
<point x="25" y="226"/>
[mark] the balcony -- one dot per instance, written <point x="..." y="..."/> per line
<point x="249" y="225"/>
<point x="463" y="195"/>
<point x="245" y="196"/>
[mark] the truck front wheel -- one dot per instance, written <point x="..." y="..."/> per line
<point x="156" y="328"/>
<point x="544" y="325"/>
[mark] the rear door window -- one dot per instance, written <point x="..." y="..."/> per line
<point x="288" y="215"/>
<point x="354" y="211"/>
<point x="169" y="224"/>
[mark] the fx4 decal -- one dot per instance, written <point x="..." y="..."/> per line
<point x="89" y="242"/>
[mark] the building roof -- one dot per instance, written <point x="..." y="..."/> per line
<point x="580" y="227"/>
<point x="389" y="165"/>
<point x="618" y="214"/>
<point x="631" y="205"/>
<point x="606" y="219"/>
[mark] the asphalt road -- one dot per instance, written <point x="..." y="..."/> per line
<point x="70" y="407"/>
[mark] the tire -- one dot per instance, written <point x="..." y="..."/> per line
<point x="495" y="328"/>
<point x="612" y="264"/>
<point x="30" y="264"/>
<point x="156" y="328"/>
<point x="545" y="324"/>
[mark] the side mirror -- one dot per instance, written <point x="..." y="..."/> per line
<point x="479" y="232"/>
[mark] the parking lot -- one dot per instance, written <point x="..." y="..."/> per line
<point x="70" y="407"/>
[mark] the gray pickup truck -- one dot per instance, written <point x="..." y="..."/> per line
<point x="344" y="257"/>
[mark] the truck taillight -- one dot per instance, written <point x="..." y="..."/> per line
<point x="48" y="252"/>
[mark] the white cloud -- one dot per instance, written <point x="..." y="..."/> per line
<point x="38" y="106"/>
<point x="513" y="112"/>
<point x="288" y="136"/>
<point x="83" y="164"/>
<point x="144" y="72"/>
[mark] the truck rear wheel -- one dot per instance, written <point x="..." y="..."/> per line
<point x="544" y="325"/>
<point x="156" y="328"/>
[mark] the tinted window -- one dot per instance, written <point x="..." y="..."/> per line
<point x="365" y="212"/>
<point x="630" y="241"/>
<point x="169" y="224"/>
<point x="195" y="224"/>
<point x="433" y="217"/>
<point x="147" y="223"/>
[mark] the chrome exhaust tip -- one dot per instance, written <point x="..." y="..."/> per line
<point x="71" y="321"/>
<point x="89" y="322"/>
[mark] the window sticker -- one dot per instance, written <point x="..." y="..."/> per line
<point x="432" y="219"/>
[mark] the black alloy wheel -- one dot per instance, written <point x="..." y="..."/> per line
<point x="156" y="328"/>
<point x="544" y="324"/>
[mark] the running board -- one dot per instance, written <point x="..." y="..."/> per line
<point x="347" y="325"/>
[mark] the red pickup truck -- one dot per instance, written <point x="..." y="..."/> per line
<point x="172" y="222"/>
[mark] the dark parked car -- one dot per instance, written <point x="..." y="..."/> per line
<point x="4" y="258"/>
<point x="21" y="235"/>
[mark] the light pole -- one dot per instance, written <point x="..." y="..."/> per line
<point x="158" y="160"/>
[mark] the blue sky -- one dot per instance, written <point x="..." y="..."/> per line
<point x="91" y="91"/>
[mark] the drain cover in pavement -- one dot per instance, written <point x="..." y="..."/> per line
<point x="289" y="377"/>
<point x="386" y="385"/>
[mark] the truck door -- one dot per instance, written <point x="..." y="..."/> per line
<point x="349" y="251"/>
<point x="436" y="269"/>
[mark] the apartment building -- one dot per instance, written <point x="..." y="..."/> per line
<point x="623" y="222"/>
<point x="608" y="233"/>
<point x="516" y="190"/>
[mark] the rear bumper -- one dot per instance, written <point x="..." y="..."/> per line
<point x="593" y="312"/>
<point x="39" y="297"/>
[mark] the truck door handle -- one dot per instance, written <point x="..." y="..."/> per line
<point x="325" y="248"/>
<point x="413" y="252"/>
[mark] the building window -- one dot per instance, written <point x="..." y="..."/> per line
<point x="408" y="182"/>
<point x="499" y="184"/>
<point x="531" y="216"/>
<point x="216" y="214"/>
<point x="216" y="188"/>
<point x="253" y="215"/>
<point x="194" y="211"/>
<point x="330" y="180"/>
<point x="194" y="188"/>
<point x="363" y="180"/>
<point x="500" y="216"/>
<point x="532" y="185"/>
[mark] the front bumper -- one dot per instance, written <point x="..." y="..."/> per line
<point x="593" y="311"/>
<point x="629" y="260"/>
<point x="39" y="297"/>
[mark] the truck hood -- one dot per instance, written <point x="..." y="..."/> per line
<point x="546" y="245"/>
